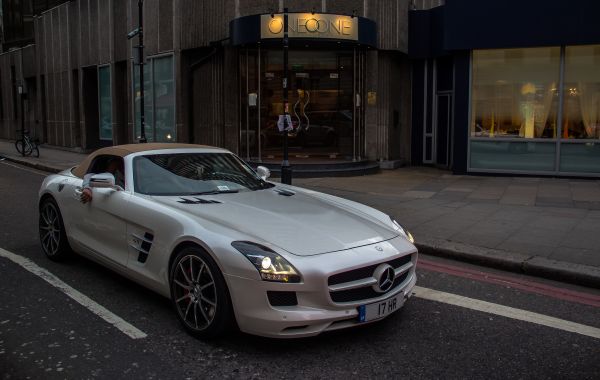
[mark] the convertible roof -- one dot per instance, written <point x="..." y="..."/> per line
<point x="124" y="150"/>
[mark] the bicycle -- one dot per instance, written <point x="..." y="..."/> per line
<point x="27" y="146"/>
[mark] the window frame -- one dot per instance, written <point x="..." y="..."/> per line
<point x="150" y="61"/>
<point x="112" y="131"/>
<point x="558" y="140"/>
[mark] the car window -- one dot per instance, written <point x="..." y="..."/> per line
<point x="106" y="163"/>
<point x="193" y="173"/>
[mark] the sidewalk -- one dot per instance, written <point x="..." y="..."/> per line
<point x="546" y="227"/>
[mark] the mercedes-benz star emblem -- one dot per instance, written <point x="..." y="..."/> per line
<point x="385" y="276"/>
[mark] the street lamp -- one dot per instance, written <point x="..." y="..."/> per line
<point x="286" y="169"/>
<point x="138" y="59"/>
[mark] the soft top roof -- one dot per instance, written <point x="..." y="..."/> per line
<point x="124" y="150"/>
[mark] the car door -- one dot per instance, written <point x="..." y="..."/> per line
<point x="102" y="223"/>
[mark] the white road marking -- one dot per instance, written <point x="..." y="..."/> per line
<point x="34" y="171"/>
<point x="506" y="311"/>
<point x="113" y="319"/>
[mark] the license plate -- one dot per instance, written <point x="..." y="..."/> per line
<point x="380" y="309"/>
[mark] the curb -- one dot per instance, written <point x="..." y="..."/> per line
<point x="538" y="266"/>
<point x="35" y="165"/>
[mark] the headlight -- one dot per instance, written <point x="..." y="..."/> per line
<point x="403" y="231"/>
<point x="270" y="265"/>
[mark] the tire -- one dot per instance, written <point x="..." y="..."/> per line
<point x="35" y="152"/>
<point x="53" y="237"/>
<point x="20" y="145"/>
<point x="201" y="301"/>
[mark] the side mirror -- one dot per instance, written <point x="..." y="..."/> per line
<point x="103" y="180"/>
<point x="263" y="172"/>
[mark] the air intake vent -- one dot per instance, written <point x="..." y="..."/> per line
<point x="197" y="201"/>
<point x="282" y="298"/>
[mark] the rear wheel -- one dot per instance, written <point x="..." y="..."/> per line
<point x="199" y="294"/>
<point x="35" y="151"/>
<point x="52" y="231"/>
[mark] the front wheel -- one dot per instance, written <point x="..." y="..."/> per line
<point x="22" y="146"/>
<point x="53" y="236"/>
<point x="199" y="294"/>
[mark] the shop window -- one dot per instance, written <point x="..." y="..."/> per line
<point x="159" y="100"/>
<point x="105" y="103"/>
<point x="581" y="93"/>
<point x="514" y="93"/>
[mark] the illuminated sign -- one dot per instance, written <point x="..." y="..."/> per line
<point x="308" y="25"/>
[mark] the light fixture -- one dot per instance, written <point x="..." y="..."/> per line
<point x="266" y="263"/>
<point x="403" y="231"/>
<point x="270" y="265"/>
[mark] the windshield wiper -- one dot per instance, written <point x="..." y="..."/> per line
<point x="213" y="192"/>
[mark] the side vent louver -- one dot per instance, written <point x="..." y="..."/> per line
<point x="142" y="245"/>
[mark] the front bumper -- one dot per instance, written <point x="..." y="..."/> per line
<point x="315" y="311"/>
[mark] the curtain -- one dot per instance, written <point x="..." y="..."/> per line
<point x="545" y="111"/>
<point x="589" y="101"/>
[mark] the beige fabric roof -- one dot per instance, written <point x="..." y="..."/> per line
<point x="124" y="150"/>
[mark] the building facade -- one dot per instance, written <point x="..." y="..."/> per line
<point x="507" y="87"/>
<point x="348" y="99"/>
<point x="460" y="84"/>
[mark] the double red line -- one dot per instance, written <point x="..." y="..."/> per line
<point x="514" y="283"/>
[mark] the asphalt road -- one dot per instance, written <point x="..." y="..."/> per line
<point x="45" y="334"/>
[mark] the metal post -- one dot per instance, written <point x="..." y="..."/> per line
<point x="286" y="170"/>
<point x="259" y="76"/>
<point x="141" y="64"/>
<point x="22" y="96"/>
<point x="353" y="105"/>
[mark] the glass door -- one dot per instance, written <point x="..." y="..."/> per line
<point x="320" y="104"/>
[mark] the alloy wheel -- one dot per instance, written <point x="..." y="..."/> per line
<point x="195" y="293"/>
<point x="50" y="229"/>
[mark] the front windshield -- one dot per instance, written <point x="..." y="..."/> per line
<point x="193" y="174"/>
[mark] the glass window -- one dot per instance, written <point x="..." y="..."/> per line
<point x="513" y="155"/>
<point x="320" y="102"/>
<point x="194" y="174"/>
<point x="582" y="92"/>
<point x="580" y="157"/>
<point x="164" y="99"/>
<point x="159" y="100"/>
<point x="105" y="103"/>
<point x="515" y="93"/>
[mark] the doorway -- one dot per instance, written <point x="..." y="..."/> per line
<point x="323" y="88"/>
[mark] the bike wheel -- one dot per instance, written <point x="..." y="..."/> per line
<point x="35" y="151"/>
<point x="23" y="146"/>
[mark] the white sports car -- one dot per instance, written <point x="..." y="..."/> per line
<point x="198" y="225"/>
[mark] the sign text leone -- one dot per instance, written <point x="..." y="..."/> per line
<point x="307" y="25"/>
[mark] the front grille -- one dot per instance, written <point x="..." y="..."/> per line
<point x="365" y="272"/>
<point x="365" y="293"/>
<point x="282" y="298"/>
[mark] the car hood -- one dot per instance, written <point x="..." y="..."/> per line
<point x="302" y="224"/>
